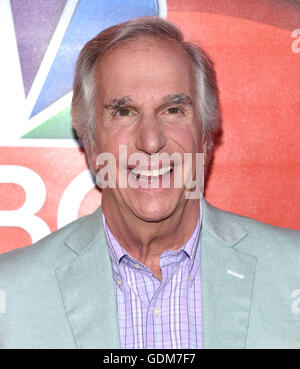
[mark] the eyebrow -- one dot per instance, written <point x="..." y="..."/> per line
<point x="116" y="103"/>
<point x="178" y="98"/>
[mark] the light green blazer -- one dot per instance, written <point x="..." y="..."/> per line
<point x="59" y="293"/>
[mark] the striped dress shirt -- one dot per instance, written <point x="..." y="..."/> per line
<point x="153" y="313"/>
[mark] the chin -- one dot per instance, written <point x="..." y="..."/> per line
<point x="153" y="213"/>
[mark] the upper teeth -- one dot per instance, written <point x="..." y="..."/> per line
<point x="151" y="173"/>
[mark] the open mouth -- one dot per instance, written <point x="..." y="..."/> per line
<point x="148" y="175"/>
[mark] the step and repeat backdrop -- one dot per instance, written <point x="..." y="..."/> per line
<point x="45" y="182"/>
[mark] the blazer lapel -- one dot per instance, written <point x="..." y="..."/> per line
<point x="227" y="280"/>
<point x="87" y="289"/>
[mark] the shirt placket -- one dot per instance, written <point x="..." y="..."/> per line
<point x="156" y="316"/>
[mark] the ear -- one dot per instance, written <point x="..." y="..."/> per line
<point x="205" y="150"/>
<point x="92" y="160"/>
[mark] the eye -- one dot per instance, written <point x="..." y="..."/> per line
<point x="123" y="112"/>
<point x="173" y="110"/>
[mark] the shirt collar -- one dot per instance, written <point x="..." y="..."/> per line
<point x="115" y="249"/>
<point x="117" y="253"/>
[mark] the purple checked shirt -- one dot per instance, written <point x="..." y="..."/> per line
<point x="156" y="314"/>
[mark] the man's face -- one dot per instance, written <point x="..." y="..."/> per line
<point x="146" y="99"/>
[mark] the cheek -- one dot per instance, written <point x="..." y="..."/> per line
<point x="187" y="138"/>
<point x="108" y="139"/>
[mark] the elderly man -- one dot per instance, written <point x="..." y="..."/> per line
<point x="154" y="267"/>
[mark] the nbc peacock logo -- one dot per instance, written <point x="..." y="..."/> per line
<point x="42" y="43"/>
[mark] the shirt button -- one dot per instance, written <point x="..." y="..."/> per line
<point x="119" y="282"/>
<point x="137" y="266"/>
<point x="190" y="277"/>
<point x="156" y="311"/>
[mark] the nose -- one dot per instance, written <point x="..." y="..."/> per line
<point x="150" y="136"/>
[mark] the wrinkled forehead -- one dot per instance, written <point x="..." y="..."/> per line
<point x="152" y="53"/>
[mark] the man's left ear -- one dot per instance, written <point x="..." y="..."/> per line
<point x="205" y="151"/>
<point x="93" y="162"/>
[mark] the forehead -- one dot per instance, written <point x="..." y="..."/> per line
<point x="145" y="63"/>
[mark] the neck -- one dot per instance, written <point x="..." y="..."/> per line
<point x="146" y="241"/>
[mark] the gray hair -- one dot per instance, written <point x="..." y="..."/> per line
<point x="84" y="85"/>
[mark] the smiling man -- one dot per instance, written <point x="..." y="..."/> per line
<point x="154" y="110"/>
<point x="154" y="267"/>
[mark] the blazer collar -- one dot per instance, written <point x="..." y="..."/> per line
<point x="222" y="225"/>
<point x="87" y="231"/>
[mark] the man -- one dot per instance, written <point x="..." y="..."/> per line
<point x="155" y="267"/>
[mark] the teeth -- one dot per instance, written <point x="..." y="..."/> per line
<point x="151" y="173"/>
